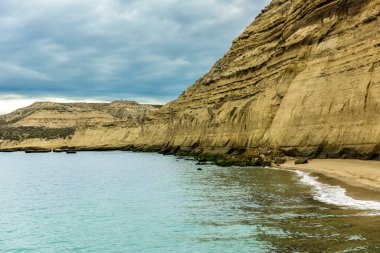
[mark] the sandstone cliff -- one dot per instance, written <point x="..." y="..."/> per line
<point x="53" y="125"/>
<point x="304" y="77"/>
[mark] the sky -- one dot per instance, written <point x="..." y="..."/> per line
<point x="85" y="50"/>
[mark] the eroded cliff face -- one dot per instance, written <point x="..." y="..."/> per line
<point x="304" y="75"/>
<point x="56" y="125"/>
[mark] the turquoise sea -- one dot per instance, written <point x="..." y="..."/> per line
<point x="139" y="202"/>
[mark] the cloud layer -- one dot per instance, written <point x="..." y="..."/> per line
<point x="147" y="50"/>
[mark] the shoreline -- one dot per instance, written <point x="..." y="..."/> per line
<point x="360" y="178"/>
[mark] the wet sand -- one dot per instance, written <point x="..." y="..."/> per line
<point x="360" y="178"/>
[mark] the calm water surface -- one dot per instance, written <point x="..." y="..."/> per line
<point x="133" y="202"/>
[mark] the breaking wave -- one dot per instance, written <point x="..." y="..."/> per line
<point x="335" y="195"/>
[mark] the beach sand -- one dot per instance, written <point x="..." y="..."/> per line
<point x="360" y="178"/>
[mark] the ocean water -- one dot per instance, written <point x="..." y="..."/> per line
<point x="138" y="202"/>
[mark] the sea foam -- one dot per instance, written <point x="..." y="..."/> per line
<point x="335" y="195"/>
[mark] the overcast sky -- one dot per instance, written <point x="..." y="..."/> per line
<point x="143" y="50"/>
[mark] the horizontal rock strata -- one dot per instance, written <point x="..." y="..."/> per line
<point x="304" y="77"/>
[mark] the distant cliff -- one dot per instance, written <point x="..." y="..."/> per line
<point x="304" y="78"/>
<point x="54" y="125"/>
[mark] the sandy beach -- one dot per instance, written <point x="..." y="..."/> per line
<point x="360" y="178"/>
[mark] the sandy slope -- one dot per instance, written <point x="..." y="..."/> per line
<point x="363" y="174"/>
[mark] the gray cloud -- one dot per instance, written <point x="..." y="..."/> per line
<point x="107" y="49"/>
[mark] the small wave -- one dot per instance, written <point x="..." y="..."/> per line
<point x="335" y="195"/>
